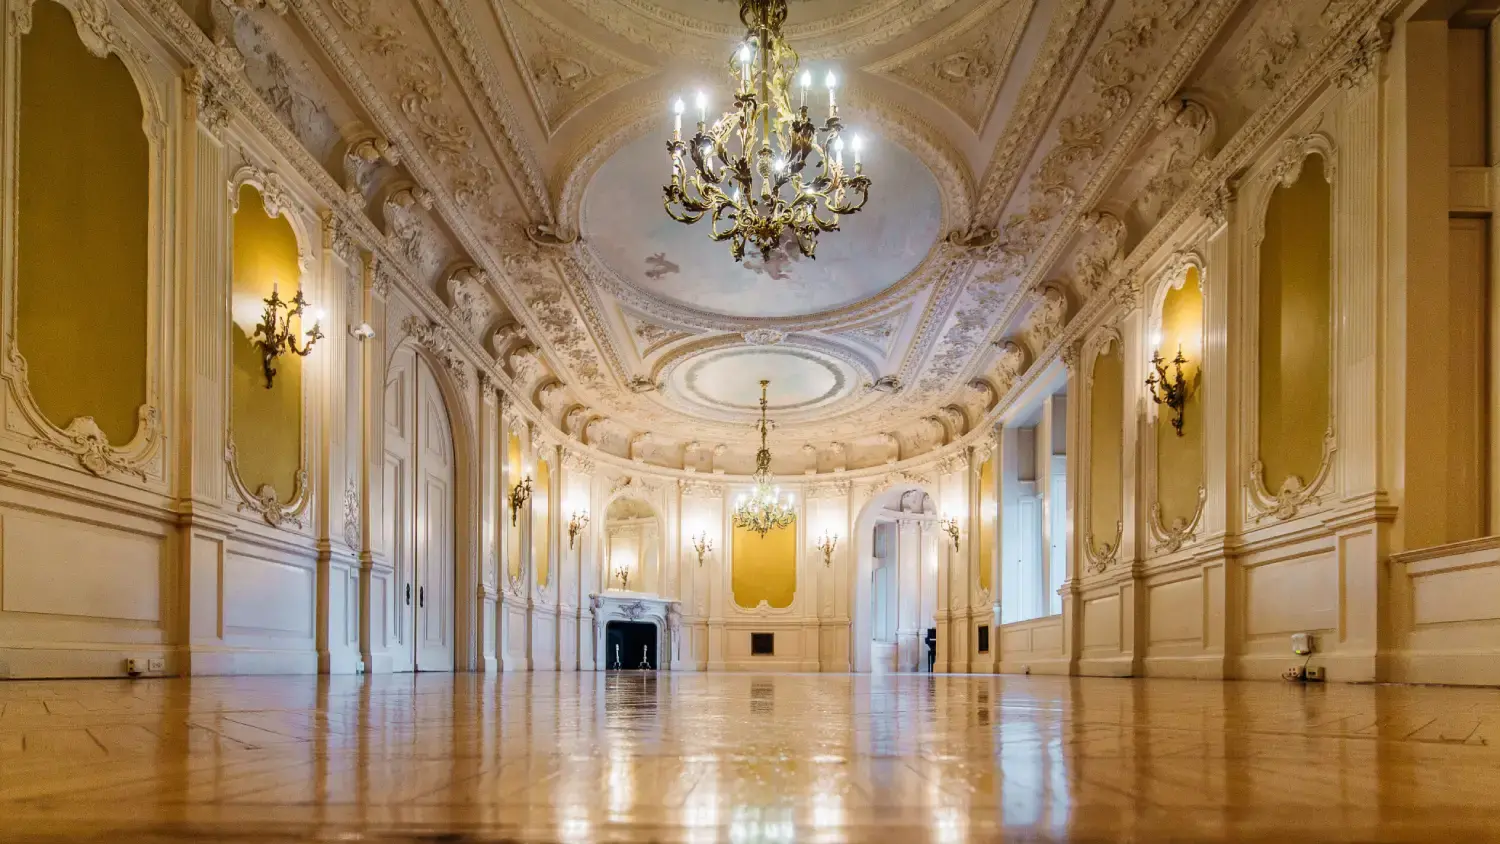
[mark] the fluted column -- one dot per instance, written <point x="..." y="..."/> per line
<point x="201" y="319"/>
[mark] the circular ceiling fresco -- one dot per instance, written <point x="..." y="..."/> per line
<point x="626" y="226"/>
<point x="726" y="381"/>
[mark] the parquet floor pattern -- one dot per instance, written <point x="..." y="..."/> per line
<point x="744" y="758"/>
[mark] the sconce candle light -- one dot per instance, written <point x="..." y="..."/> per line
<point x="703" y="545"/>
<point x="519" y="495"/>
<point x="1170" y="391"/>
<point x="829" y="542"/>
<point x="576" y="524"/>
<point x="275" y="337"/>
<point x="949" y="524"/>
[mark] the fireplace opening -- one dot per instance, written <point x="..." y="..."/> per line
<point x="630" y="646"/>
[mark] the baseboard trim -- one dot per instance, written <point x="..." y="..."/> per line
<point x="1205" y="667"/>
<point x="1047" y="665"/>
<point x="1110" y="666"/>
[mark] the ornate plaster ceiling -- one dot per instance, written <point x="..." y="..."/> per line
<point x="1029" y="157"/>
<point x="624" y="225"/>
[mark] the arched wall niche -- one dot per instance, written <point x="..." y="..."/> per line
<point x="879" y="498"/>
<point x="1104" y="500"/>
<point x="1291" y="316"/>
<point x="85" y="273"/>
<point x="268" y="448"/>
<point x="635" y="528"/>
<point x="1178" y="478"/>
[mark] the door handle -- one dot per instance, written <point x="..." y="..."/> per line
<point x="408" y="594"/>
<point x="421" y="596"/>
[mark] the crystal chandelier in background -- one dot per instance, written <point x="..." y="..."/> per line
<point x="763" y="510"/>
<point x="761" y="169"/>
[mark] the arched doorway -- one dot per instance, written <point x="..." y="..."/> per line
<point x="420" y="485"/>
<point x="895" y="595"/>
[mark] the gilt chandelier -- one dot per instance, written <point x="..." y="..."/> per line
<point x="763" y="510"/>
<point x="764" y="169"/>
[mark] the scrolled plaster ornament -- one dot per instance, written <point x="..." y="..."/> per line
<point x="830" y="491"/>
<point x="764" y="337"/>
<point x="700" y="489"/>
<point x="504" y="336"/>
<point x="352" y="523"/>
<point x="1049" y="317"/>
<point x="551" y="235"/>
<point x="1014" y="360"/>
<point x="436" y="339"/>
<point x="1102" y="257"/>
<point x="577" y="461"/>
<point x="1364" y="61"/>
<point x="1102" y="555"/>
<point x="468" y="295"/>
<point x="209" y="98"/>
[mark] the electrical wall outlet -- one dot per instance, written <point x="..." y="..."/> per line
<point x="156" y="665"/>
<point x="1295" y="674"/>
<point x="1302" y="643"/>
<point x="135" y="666"/>
<point x="1315" y="674"/>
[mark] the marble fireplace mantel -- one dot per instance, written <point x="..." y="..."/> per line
<point x="615" y="605"/>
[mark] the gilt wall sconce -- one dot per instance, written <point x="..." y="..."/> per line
<point x="703" y="545"/>
<point x="519" y="495"/>
<point x="623" y="573"/>
<point x="275" y="337"/>
<point x="949" y="525"/>
<point x="827" y="544"/>
<point x="1171" y="390"/>
<point x="576" y="524"/>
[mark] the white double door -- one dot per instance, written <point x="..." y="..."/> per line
<point x="419" y="474"/>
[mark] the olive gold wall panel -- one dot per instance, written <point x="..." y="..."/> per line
<point x="541" y="537"/>
<point x="82" y="222"/>
<point x="1106" y="447"/>
<point x="989" y="520"/>
<point x="513" y="475"/>
<point x="1179" y="459"/>
<point x="266" y="423"/>
<point x="764" y="568"/>
<point x="1294" y="328"/>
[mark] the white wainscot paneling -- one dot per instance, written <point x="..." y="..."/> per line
<point x="1452" y="596"/>
<point x="1101" y="622"/>
<point x="1291" y="594"/>
<point x="69" y="568"/>
<point x="1175" y="612"/>
<point x="267" y="597"/>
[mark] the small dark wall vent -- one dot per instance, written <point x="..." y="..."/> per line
<point x="762" y="644"/>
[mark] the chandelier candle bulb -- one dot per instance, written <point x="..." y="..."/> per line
<point x="745" y="53"/>
<point x="833" y="108"/>
<point x="677" y="109"/>
<point x="859" y="144"/>
<point x="702" y="107"/>
<point x="806" y="83"/>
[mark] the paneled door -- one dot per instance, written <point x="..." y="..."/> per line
<point x="435" y="527"/>
<point x="419" y="474"/>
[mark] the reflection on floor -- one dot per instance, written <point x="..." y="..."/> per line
<point x="741" y="758"/>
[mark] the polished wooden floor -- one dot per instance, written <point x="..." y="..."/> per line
<point x="744" y="758"/>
